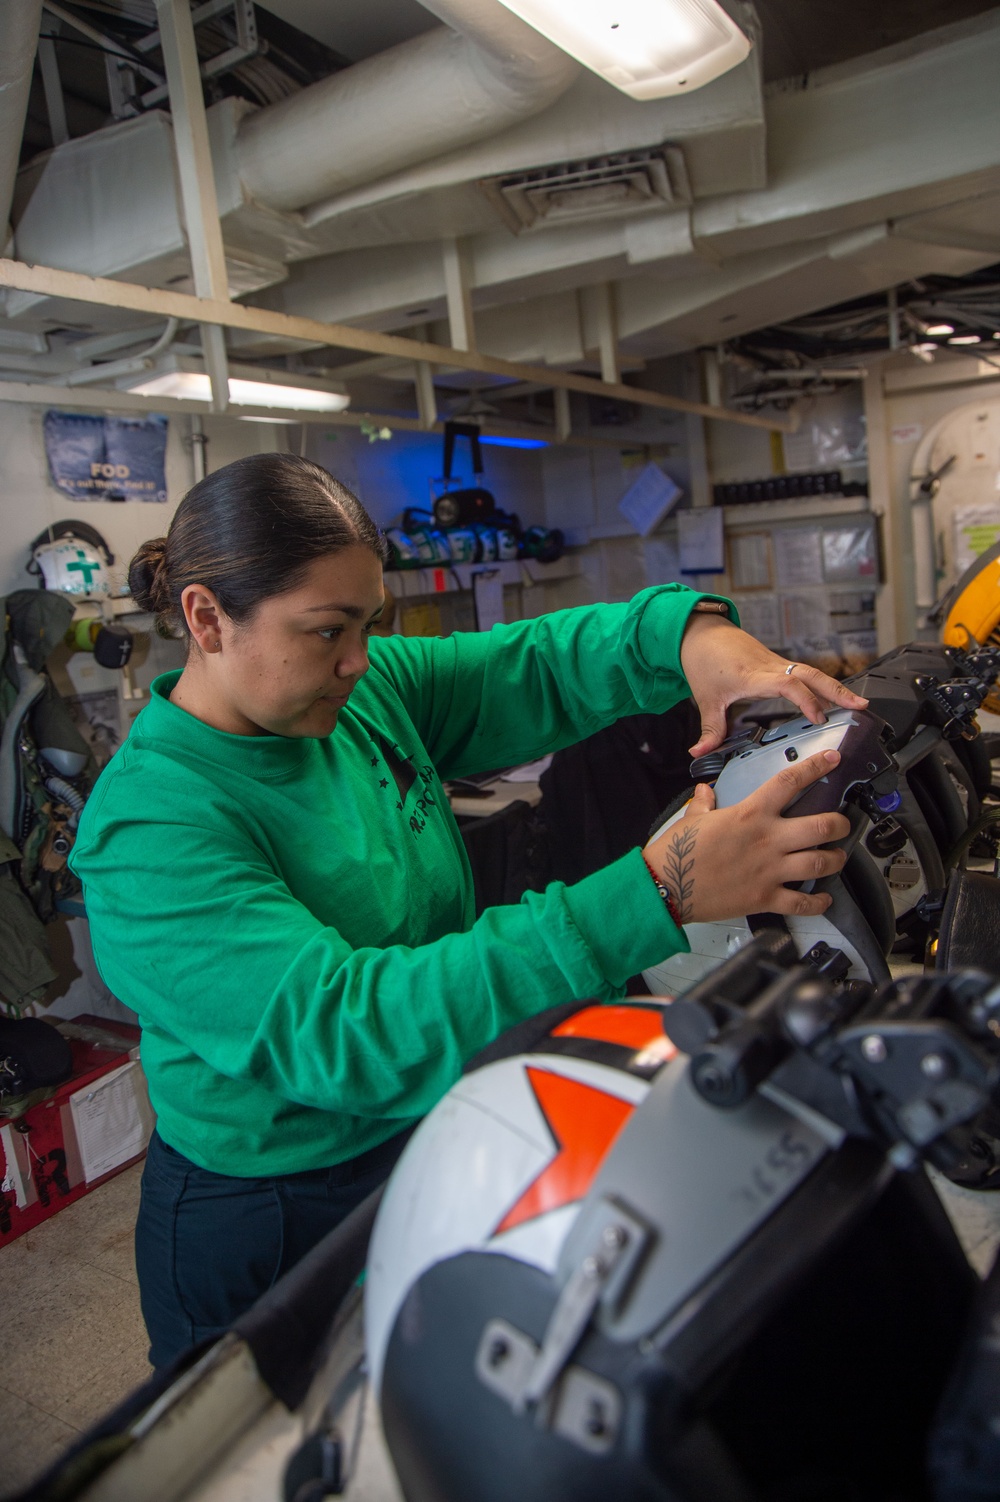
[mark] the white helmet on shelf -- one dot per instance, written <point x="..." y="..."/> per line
<point x="73" y="559"/>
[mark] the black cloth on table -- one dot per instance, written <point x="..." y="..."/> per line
<point x="599" y="800"/>
<point x="600" y="797"/>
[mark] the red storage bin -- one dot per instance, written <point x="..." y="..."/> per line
<point x="54" y="1153"/>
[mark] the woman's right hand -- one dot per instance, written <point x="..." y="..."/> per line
<point x="720" y="863"/>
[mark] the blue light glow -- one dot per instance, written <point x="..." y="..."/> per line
<point x="514" y="443"/>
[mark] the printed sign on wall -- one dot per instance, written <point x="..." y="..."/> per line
<point x="107" y="458"/>
<point x="977" y="528"/>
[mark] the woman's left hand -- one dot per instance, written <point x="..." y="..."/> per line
<point x="722" y="664"/>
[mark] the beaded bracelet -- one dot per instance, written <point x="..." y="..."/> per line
<point x="664" y="892"/>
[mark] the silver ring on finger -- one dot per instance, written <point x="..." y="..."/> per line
<point x="791" y="668"/>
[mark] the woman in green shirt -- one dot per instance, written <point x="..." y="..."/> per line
<point x="276" y="884"/>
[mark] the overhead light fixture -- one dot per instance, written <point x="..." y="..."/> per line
<point x="647" y="48"/>
<point x="966" y="339"/>
<point x="939" y="328"/>
<point x="184" y="380"/>
<point x="195" y="386"/>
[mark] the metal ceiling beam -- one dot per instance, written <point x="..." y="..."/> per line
<point x="600" y="302"/>
<point x="564" y="419"/>
<point x="458" y="292"/>
<point x="34" y="394"/>
<point x="197" y="176"/>
<point x="102" y="291"/>
<point x="426" y="396"/>
<point x="92" y="400"/>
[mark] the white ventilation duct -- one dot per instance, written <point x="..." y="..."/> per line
<point x="106" y="204"/>
<point x="19" y="22"/>
<point x="483" y="72"/>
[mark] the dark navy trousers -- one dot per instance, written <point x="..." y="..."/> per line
<point x="207" y="1246"/>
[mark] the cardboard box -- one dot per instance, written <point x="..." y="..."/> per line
<point x="96" y="1124"/>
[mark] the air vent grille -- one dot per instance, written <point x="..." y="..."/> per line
<point x="626" y="182"/>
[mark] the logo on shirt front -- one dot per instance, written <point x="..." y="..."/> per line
<point x="405" y="779"/>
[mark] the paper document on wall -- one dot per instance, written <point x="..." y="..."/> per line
<point x="849" y="553"/>
<point x="976" y="529"/>
<point x="797" y="448"/>
<point x="761" y="617"/>
<point x="113" y="1120"/>
<point x="821" y="652"/>
<point x="17" y="1178"/>
<point x="798" y="557"/>
<point x="648" y="499"/>
<point x="700" y="540"/>
<point x="750" y="561"/>
<point x="805" y="615"/>
<point x="663" y="562"/>
<point x="852" y="610"/>
<point x="487" y="590"/>
<point x="857" y="650"/>
<point x="841" y="438"/>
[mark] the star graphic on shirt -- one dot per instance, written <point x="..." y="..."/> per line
<point x="384" y="783"/>
<point x="399" y="805"/>
<point x="374" y="761"/>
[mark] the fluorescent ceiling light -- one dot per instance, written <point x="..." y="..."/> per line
<point x="965" y="339"/>
<point x="194" y="385"/>
<point x="646" y="48"/>
<point x="940" y="328"/>
<point x="301" y="398"/>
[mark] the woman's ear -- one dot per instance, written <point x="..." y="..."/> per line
<point x="204" y="617"/>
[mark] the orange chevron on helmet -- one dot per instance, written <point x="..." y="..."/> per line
<point x="585" y="1122"/>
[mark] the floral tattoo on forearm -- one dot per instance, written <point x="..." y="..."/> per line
<point x="678" y="870"/>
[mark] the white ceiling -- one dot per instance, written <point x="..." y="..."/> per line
<point x="854" y="179"/>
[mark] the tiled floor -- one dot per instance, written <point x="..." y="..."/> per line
<point x="73" y="1341"/>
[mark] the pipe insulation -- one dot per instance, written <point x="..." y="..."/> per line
<point x="427" y="96"/>
<point x="19" y="23"/>
<point x="110" y="369"/>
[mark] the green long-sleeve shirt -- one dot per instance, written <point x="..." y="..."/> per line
<point x="298" y="935"/>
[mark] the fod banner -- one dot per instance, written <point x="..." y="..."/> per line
<point x="107" y="458"/>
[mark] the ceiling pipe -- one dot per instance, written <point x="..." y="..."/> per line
<point x="19" y="24"/>
<point x="484" y="71"/>
<point x="111" y="369"/>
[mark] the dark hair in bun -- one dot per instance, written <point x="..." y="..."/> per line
<point x="147" y="582"/>
<point x="247" y="532"/>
